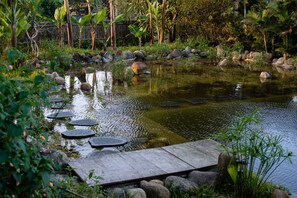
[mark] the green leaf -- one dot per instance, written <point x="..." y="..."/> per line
<point x="100" y="16"/>
<point x="118" y="18"/>
<point x="38" y="79"/>
<point x="84" y="20"/>
<point x="17" y="176"/>
<point x="3" y="156"/>
<point x="45" y="176"/>
<point x="232" y="170"/>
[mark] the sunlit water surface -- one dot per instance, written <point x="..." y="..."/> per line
<point x="132" y="111"/>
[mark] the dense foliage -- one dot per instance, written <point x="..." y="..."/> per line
<point x="24" y="172"/>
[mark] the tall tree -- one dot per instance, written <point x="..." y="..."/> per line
<point x="163" y="15"/>
<point x="68" y="24"/>
<point x="92" y="26"/>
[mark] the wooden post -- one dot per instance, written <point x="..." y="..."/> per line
<point x="68" y="24"/>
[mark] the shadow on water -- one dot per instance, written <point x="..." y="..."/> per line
<point x="179" y="102"/>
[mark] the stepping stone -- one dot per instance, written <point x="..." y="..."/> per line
<point x="84" y="122"/>
<point x="169" y="104"/>
<point x="60" y="115"/>
<point x="60" y="106"/>
<point x="107" y="142"/>
<point x="195" y="101"/>
<point x="57" y="99"/>
<point x="78" y="133"/>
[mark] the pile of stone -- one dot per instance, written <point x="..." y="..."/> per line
<point x="161" y="189"/>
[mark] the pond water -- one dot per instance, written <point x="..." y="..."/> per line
<point x="134" y="112"/>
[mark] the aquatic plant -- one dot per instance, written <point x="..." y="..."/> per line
<point x="257" y="155"/>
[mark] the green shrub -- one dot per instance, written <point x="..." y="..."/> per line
<point x="118" y="70"/>
<point x="257" y="155"/>
<point x="24" y="172"/>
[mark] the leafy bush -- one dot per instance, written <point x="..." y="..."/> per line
<point x="257" y="155"/>
<point x="118" y="70"/>
<point x="24" y="172"/>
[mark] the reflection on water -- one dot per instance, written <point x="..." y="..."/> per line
<point x="134" y="112"/>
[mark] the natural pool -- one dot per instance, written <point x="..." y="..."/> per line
<point x="133" y="111"/>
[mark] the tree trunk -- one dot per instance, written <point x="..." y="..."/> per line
<point x="68" y="24"/>
<point x="112" y="26"/>
<point x="92" y="27"/>
<point x="13" y="24"/>
<point x="151" y="26"/>
<point x="79" y="39"/>
<point x="104" y="40"/>
<point x="161" y="38"/>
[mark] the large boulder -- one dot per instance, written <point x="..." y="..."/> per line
<point x="180" y="184"/>
<point x="256" y="55"/>
<point x="108" y="56"/>
<point x="186" y="53"/>
<point x="97" y="59"/>
<point x="202" y="178"/>
<point x="136" y="193"/>
<point x="223" y="161"/>
<point x="85" y="86"/>
<point x="139" y="68"/>
<point x="203" y="54"/>
<point x="154" y="189"/>
<point x="278" y="62"/>
<point x="175" y="54"/>
<point x="157" y="182"/>
<point x="264" y="75"/>
<point x="220" y="52"/>
<point x="139" y="55"/>
<point x="81" y="58"/>
<point x="224" y="62"/>
<point x="118" y="192"/>
<point x="59" y="80"/>
<point x="277" y="193"/>
<point x="188" y="49"/>
<point x="128" y="55"/>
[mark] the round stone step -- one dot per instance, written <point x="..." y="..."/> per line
<point x="78" y="133"/>
<point x="84" y="122"/>
<point x="196" y="101"/>
<point x="169" y="104"/>
<point x="60" y="115"/>
<point x="107" y="142"/>
<point x="57" y="99"/>
<point x="60" y="106"/>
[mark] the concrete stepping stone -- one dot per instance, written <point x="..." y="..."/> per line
<point x="60" y="106"/>
<point x="169" y="104"/>
<point x="60" y="115"/>
<point x="57" y="99"/>
<point x="107" y="142"/>
<point x="84" y="122"/>
<point x="78" y="133"/>
<point x="196" y="101"/>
